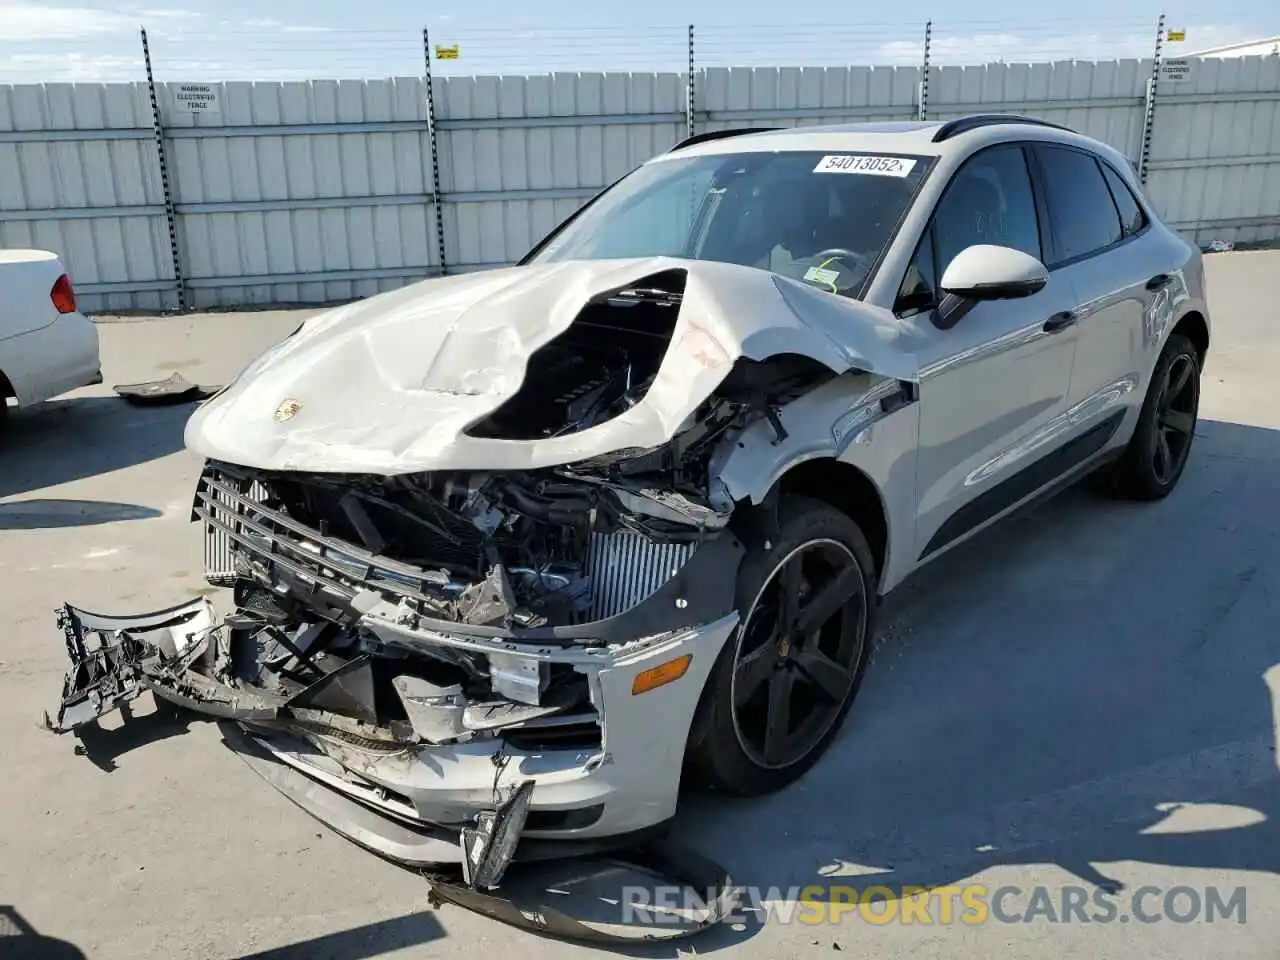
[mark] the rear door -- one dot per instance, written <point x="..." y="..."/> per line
<point x="994" y="386"/>
<point x="1102" y="246"/>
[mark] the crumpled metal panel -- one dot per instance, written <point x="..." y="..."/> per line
<point x="613" y="899"/>
<point x="110" y="656"/>
<point x="391" y="385"/>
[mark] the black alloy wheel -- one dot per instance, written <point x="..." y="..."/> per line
<point x="797" y="653"/>
<point x="787" y="676"/>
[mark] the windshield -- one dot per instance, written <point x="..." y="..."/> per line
<point x="811" y="216"/>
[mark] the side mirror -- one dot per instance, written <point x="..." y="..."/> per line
<point x="987" y="272"/>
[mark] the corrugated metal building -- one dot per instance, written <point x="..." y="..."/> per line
<point x="323" y="190"/>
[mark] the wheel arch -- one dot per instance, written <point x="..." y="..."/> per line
<point x="849" y="490"/>
<point x="1195" y="328"/>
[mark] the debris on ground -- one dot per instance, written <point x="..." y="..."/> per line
<point x="173" y="390"/>
<point x="627" y="897"/>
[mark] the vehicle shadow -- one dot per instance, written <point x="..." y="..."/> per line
<point x="1092" y="685"/>
<point x="358" y="943"/>
<point x="47" y="514"/>
<point x="102" y="746"/>
<point x="70" y="439"/>
<point x="20" y="941"/>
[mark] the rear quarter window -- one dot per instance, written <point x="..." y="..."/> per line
<point x="1132" y="219"/>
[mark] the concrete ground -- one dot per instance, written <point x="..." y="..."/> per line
<point x="1086" y="697"/>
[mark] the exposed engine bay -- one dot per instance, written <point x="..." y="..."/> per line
<point x="522" y="548"/>
<point x="513" y="549"/>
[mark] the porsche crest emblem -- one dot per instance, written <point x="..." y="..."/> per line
<point x="287" y="410"/>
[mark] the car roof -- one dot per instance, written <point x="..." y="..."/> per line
<point x="929" y="138"/>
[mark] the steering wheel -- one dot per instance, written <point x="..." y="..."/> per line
<point x="841" y="253"/>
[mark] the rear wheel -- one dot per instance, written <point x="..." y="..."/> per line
<point x="1157" y="453"/>
<point x="785" y="680"/>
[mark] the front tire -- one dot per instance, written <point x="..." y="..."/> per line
<point x="1157" y="453"/>
<point x="781" y="687"/>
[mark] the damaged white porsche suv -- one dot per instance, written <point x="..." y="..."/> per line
<point x="513" y="553"/>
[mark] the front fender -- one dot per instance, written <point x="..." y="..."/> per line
<point x="868" y="422"/>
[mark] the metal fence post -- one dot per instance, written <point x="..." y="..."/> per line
<point x="924" y="72"/>
<point x="690" y="90"/>
<point x="435" y="152"/>
<point x="1149" y="108"/>
<point x="170" y="212"/>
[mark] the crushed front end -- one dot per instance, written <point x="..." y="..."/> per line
<point x="518" y="635"/>
<point x="437" y="665"/>
<point x="528" y="634"/>
<point x="461" y="666"/>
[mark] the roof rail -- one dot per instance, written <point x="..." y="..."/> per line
<point x="719" y="135"/>
<point x="961" y="125"/>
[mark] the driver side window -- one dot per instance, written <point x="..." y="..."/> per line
<point x="988" y="201"/>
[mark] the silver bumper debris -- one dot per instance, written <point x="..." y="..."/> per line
<point x="114" y="659"/>
<point x="461" y="783"/>
<point x="557" y="889"/>
<point x="173" y="390"/>
<point x="489" y="844"/>
<point x="645" y="894"/>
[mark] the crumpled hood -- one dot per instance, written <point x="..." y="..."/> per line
<point x="388" y="385"/>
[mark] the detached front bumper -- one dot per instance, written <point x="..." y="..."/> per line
<point x="411" y="802"/>
<point x="422" y="738"/>
<point x="626" y="785"/>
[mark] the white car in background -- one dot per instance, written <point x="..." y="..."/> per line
<point x="47" y="346"/>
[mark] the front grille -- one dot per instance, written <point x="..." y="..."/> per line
<point x="418" y="529"/>
<point x="241" y="524"/>
<point x="219" y="558"/>
<point x="241" y="521"/>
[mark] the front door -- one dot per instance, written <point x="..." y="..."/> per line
<point x="993" y="387"/>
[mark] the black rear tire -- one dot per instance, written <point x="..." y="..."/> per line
<point x="777" y="656"/>
<point x="1161" y="443"/>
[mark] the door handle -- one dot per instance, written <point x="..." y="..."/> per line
<point x="1059" y="321"/>
<point x="1159" y="282"/>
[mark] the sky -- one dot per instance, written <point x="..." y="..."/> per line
<point x="208" y="40"/>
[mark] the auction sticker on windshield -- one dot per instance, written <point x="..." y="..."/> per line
<point x="874" y="166"/>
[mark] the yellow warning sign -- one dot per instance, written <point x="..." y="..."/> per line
<point x="447" y="53"/>
<point x="1177" y="36"/>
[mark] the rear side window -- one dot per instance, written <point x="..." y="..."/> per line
<point x="1132" y="219"/>
<point x="1082" y="215"/>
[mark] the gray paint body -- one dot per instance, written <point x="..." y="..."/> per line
<point x="996" y="391"/>
<point x="388" y="386"/>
